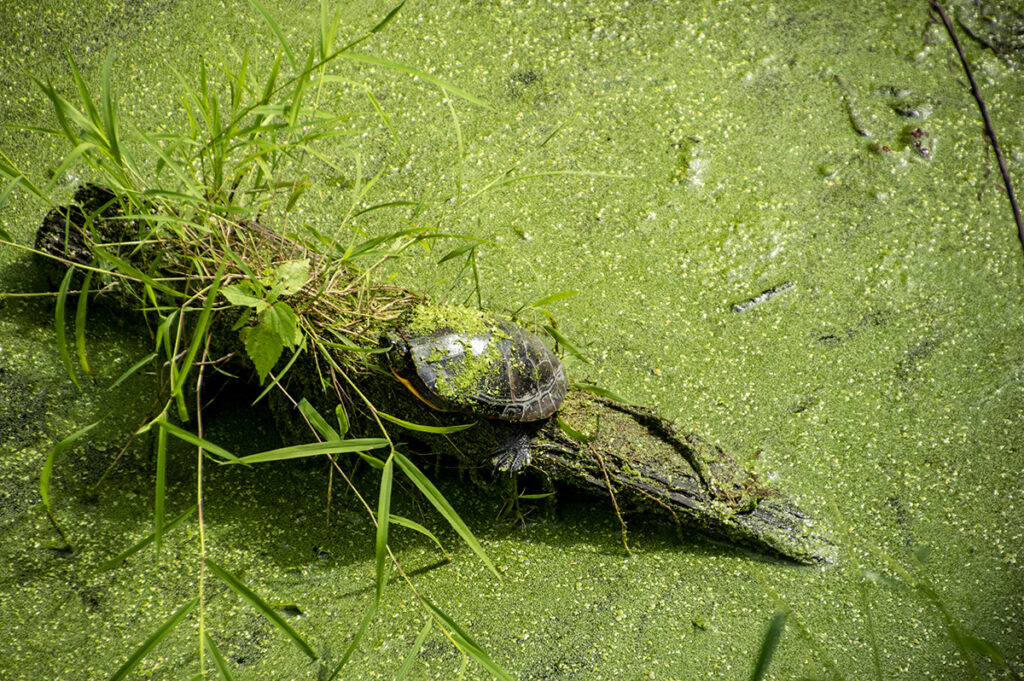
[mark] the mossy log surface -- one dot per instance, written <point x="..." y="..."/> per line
<point x="626" y="455"/>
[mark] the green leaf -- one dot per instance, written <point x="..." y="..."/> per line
<point x="451" y="89"/>
<point x="435" y="497"/>
<point x="260" y="605"/>
<point x="383" y="522"/>
<point x="56" y="452"/>
<point x="60" y="326"/>
<point x="218" y="660"/>
<point x="198" y="335"/>
<point x="561" y="340"/>
<point x="282" y="320"/>
<point x="318" y="422"/>
<point x="110" y="112"/>
<point x="314" y="449"/>
<point x="425" y="429"/>
<point x="354" y="643"/>
<point x="264" y="347"/>
<point x="342" y="417"/>
<point x="154" y="639"/>
<point x="573" y="433"/>
<point x="387" y="20"/>
<point x="456" y="252"/>
<point x="135" y="367"/>
<point x="291" y="276"/>
<point x="237" y="294"/>
<point x="553" y="298"/>
<point x="160" y="488"/>
<point x="193" y="439"/>
<point x="466" y="643"/>
<point x="539" y="495"/>
<point x="410" y="657"/>
<point x="600" y="392"/>
<point x="977" y="645"/>
<point x="768" y="645"/>
<point x="146" y="541"/>
<point x="416" y="527"/>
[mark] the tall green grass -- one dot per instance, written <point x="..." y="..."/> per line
<point x="242" y="155"/>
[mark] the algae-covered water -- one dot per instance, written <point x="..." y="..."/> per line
<point x="788" y="235"/>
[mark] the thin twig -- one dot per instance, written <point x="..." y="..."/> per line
<point x="611" y="492"/>
<point x="989" y="130"/>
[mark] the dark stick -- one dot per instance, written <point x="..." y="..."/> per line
<point x="988" y="122"/>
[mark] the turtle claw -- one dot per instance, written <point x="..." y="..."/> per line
<point x="513" y="451"/>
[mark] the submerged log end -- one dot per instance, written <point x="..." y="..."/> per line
<point x="654" y="467"/>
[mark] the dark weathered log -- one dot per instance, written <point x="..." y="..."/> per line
<point x="626" y="454"/>
<point x="653" y="466"/>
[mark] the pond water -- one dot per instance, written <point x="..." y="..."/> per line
<point x="788" y="235"/>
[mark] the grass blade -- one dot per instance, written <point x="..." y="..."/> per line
<point x="412" y="525"/>
<point x="573" y="433"/>
<point x="80" y="311"/>
<point x="435" y="497"/>
<point x="561" y="340"/>
<point x="160" y="488"/>
<point x="192" y="439"/>
<point x="261" y="606"/>
<point x="396" y="66"/>
<point x="110" y="112"/>
<point x="768" y="645"/>
<point x="200" y="331"/>
<point x="600" y="392"/>
<point x="387" y="20"/>
<point x="383" y="521"/>
<point x="135" y="367"/>
<point x="422" y="428"/>
<point x="354" y="643"/>
<point x="144" y="542"/>
<point x="318" y="422"/>
<point x="154" y="639"/>
<point x="314" y="449"/>
<point x="553" y="298"/>
<point x="466" y="643"/>
<point x="218" y="660"/>
<point x="403" y="671"/>
<point x="58" y="319"/>
<point x="277" y="32"/>
<point x="127" y="268"/>
<point x="384" y="117"/>
<point x="51" y="459"/>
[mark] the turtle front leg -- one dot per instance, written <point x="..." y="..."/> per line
<point x="513" y="451"/>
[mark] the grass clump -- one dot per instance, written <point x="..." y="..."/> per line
<point x="196" y="230"/>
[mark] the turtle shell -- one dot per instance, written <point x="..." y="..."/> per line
<point x="490" y="367"/>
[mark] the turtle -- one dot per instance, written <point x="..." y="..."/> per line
<point x="458" y="359"/>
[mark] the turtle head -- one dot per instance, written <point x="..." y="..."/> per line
<point x="397" y="350"/>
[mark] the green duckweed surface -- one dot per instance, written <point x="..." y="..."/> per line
<point x="847" y="307"/>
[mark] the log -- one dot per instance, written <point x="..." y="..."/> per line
<point x="625" y="454"/>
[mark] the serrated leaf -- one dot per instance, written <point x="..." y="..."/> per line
<point x="237" y="295"/>
<point x="282" y="320"/>
<point x="290" y="277"/>
<point x="264" y="347"/>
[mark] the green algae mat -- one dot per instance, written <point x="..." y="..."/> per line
<point x="783" y="228"/>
